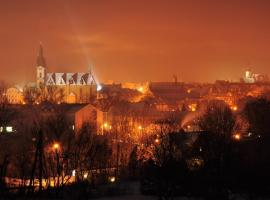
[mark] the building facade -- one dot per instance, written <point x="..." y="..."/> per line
<point x="75" y="87"/>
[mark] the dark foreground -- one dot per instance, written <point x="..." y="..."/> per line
<point x="127" y="190"/>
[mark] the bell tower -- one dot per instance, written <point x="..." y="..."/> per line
<point x="41" y="67"/>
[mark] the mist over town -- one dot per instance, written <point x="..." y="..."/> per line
<point x="134" y="100"/>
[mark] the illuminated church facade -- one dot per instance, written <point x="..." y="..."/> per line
<point x="76" y="87"/>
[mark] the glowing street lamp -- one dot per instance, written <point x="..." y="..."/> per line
<point x="56" y="146"/>
<point x="112" y="179"/>
<point x="234" y="108"/>
<point x="237" y="136"/>
<point x="85" y="175"/>
<point x="140" y="127"/>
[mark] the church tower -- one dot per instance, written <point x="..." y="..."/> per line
<point x="41" y="67"/>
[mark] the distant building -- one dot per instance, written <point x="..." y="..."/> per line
<point x="14" y="95"/>
<point x="169" y="94"/>
<point x="141" y="87"/>
<point x="76" y="115"/>
<point x="255" y="78"/>
<point x="76" y="87"/>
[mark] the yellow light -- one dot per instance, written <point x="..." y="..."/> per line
<point x="234" y="108"/>
<point x="85" y="175"/>
<point x="56" y="146"/>
<point x="189" y="91"/>
<point x="140" y="89"/>
<point x="237" y="136"/>
<point x="105" y="124"/>
<point x="157" y="140"/>
<point x="140" y="127"/>
<point x="193" y="107"/>
<point x="112" y="179"/>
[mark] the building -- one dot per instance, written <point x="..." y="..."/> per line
<point x="14" y="95"/>
<point x="75" y="87"/>
<point x="251" y="77"/>
<point x="21" y="118"/>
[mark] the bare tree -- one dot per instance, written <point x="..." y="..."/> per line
<point x="90" y="152"/>
<point x="218" y="122"/>
<point x="31" y="95"/>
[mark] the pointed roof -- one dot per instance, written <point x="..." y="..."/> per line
<point x="40" y="58"/>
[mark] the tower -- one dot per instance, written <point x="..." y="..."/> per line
<point x="41" y="67"/>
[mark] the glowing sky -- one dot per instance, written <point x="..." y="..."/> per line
<point x="136" y="40"/>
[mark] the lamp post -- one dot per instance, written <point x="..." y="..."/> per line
<point x="56" y="147"/>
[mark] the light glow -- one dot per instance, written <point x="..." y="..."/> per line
<point x="73" y="172"/>
<point x="112" y="179"/>
<point x="85" y="175"/>
<point x="56" y="146"/>
<point x="9" y="129"/>
<point x="99" y="87"/>
<point x="237" y="136"/>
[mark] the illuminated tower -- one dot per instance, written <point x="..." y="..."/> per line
<point x="41" y="67"/>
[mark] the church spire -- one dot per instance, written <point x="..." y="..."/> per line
<point x="40" y="58"/>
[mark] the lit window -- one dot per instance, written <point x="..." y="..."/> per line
<point x="1" y="129"/>
<point x="9" y="129"/>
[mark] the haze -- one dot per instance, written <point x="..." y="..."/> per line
<point x="136" y="40"/>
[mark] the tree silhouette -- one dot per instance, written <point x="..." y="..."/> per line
<point x="218" y="122"/>
<point x="257" y="113"/>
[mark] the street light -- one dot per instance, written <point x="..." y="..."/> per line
<point x="105" y="125"/>
<point x="112" y="179"/>
<point x="237" y="136"/>
<point x="85" y="175"/>
<point x="234" y="108"/>
<point x="56" y="146"/>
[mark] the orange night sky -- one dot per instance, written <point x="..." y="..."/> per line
<point x="136" y="40"/>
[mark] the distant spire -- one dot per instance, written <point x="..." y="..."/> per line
<point x="40" y="58"/>
<point x="40" y="52"/>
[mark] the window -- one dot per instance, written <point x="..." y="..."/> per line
<point x="9" y="129"/>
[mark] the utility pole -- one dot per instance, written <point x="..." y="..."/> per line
<point x="39" y="156"/>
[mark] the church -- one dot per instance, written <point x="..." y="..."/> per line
<point x="75" y="87"/>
